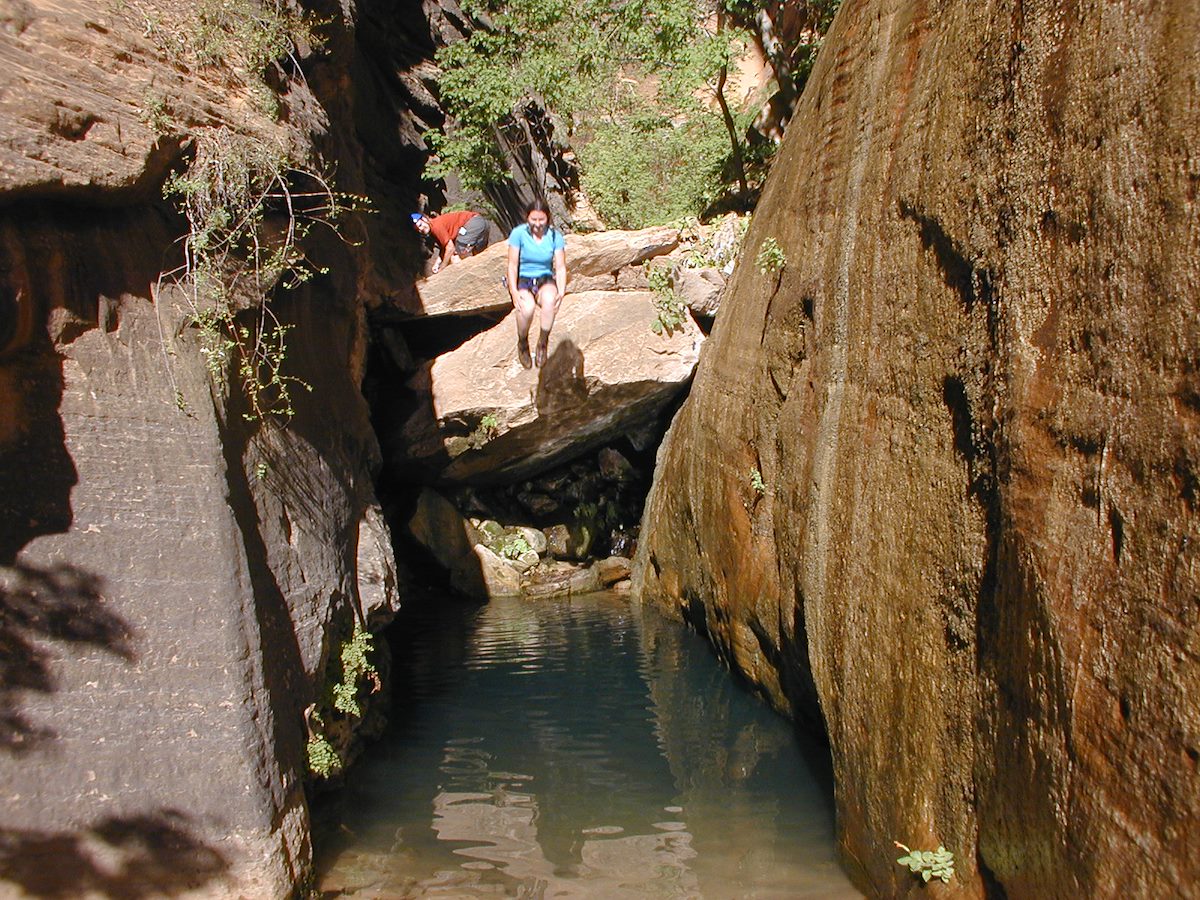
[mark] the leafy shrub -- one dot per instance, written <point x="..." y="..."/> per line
<point x="650" y="171"/>
<point x="671" y="310"/>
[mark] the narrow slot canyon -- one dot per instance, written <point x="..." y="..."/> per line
<point x="838" y="539"/>
<point x="545" y="733"/>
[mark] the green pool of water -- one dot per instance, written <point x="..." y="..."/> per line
<point x="576" y="748"/>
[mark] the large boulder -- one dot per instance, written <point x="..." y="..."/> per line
<point x="605" y="252"/>
<point x="935" y="485"/>
<point x="460" y="548"/>
<point x="473" y="286"/>
<point x="700" y="289"/>
<point x="561" y="579"/>
<point x="482" y="418"/>
<point x="467" y="287"/>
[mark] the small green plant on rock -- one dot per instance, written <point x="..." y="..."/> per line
<point x="513" y="546"/>
<point x="672" y="311"/>
<point x="356" y="669"/>
<point x="756" y="482"/>
<point x="348" y="673"/>
<point x="156" y="113"/>
<point x="323" y="760"/>
<point x="770" y="259"/>
<point x="486" y="430"/>
<point x="928" y="864"/>
<point x="718" y="249"/>
<point x="245" y="39"/>
<point x="248" y="205"/>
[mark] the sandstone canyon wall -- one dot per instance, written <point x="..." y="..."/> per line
<point x="174" y="576"/>
<point x="971" y="393"/>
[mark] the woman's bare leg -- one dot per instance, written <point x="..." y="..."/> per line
<point x="548" y="301"/>
<point x="525" y="306"/>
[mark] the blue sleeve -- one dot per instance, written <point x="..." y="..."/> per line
<point x="559" y="242"/>
<point x="514" y="236"/>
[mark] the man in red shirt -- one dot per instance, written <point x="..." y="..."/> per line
<point x="458" y="234"/>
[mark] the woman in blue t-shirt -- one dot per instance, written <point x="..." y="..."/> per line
<point x="537" y="278"/>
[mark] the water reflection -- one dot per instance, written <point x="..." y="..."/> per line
<point x="576" y="749"/>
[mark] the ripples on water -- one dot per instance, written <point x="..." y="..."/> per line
<point x="576" y="748"/>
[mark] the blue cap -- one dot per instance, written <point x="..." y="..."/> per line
<point x="417" y="217"/>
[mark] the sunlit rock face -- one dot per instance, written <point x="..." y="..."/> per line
<point x="482" y="418"/>
<point x="83" y="127"/>
<point x="936" y="481"/>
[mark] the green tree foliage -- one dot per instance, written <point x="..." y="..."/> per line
<point x="820" y="17"/>
<point x="649" y="170"/>
<point x="627" y="84"/>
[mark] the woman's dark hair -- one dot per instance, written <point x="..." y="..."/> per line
<point x="537" y="204"/>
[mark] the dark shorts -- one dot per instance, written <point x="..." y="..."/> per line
<point x="472" y="237"/>
<point x="533" y="285"/>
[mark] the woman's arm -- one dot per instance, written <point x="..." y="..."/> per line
<point x="560" y="271"/>
<point x="514" y="262"/>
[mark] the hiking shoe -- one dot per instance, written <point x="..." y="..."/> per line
<point x="542" y="345"/>
<point x="523" y="354"/>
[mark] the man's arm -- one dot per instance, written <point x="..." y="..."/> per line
<point x="443" y="229"/>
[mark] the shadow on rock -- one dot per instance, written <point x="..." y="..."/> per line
<point x="561" y="385"/>
<point x="36" y="470"/>
<point x="149" y="855"/>
<point x="62" y="603"/>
